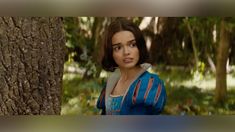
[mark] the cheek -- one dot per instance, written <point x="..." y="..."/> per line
<point x="116" y="56"/>
<point x="137" y="53"/>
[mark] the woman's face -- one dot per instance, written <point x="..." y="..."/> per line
<point x="125" y="51"/>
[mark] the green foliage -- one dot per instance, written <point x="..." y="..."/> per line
<point x="173" y="74"/>
<point x="203" y="28"/>
<point x="137" y="20"/>
<point x="192" y="99"/>
<point x="79" y="97"/>
<point x="80" y="42"/>
<point x="199" y="72"/>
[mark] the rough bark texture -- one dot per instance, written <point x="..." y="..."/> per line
<point x="222" y="56"/>
<point x="31" y="65"/>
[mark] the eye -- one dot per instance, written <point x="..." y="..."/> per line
<point x="116" y="48"/>
<point x="133" y="45"/>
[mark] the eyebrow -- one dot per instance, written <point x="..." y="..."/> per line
<point x="120" y="43"/>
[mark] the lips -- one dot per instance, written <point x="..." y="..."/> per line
<point x="127" y="60"/>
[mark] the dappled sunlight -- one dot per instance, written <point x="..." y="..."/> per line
<point x="193" y="94"/>
<point x="81" y="105"/>
<point x="180" y="77"/>
<point x="208" y="83"/>
<point x="70" y="76"/>
<point x="104" y="74"/>
<point x="80" y="96"/>
<point x="72" y="107"/>
<point x="230" y="81"/>
<point x="194" y="101"/>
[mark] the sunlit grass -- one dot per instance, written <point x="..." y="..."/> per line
<point x="179" y="77"/>
<point x="189" y="94"/>
<point x="209" y="83"/>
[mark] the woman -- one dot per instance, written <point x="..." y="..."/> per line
<point x="131" y="89"/>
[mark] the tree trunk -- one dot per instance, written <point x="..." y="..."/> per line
<point x="193" y="42"/>
<point x="31" y="65"/>
<point x="222" y="56"/>
<point x="97" y="35"/>
<point x="166" y="41"/>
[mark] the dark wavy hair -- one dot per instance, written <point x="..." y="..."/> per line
<point x="122" y="24"/>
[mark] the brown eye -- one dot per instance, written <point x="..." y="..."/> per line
<point x="133" y="45"/>
<point x="116" y="48"/>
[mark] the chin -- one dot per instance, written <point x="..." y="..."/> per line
<point x="128" y="66"/>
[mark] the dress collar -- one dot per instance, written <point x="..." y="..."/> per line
<point x="112" y="80"/>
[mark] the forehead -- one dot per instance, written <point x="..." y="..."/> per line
<point x="122" y="37"/>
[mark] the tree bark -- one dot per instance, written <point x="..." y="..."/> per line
<point x="31" y="65"/>
<point x="222" y="56"/>
<point x="193" y="42"/>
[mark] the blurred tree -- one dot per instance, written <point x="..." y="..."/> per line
<point x="177" y="40"/>
<point x="84" y="39"/>
<point x="200" y="30"/>
<point x="166" y="45"/>
<point x="226" y="27"/>
<point x="31" y="65"/>
<point x="193" y="41"/>
<point x="169" y="41"/>
<point x="232" y="53"/>
<point x="204" y="32"/>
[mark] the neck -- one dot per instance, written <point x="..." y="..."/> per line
<point x="129" y="74"/>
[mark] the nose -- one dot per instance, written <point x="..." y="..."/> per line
<point x="126" y="50"/>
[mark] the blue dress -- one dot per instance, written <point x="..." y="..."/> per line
<point x="114" y="105"/>
<point x="145" y="96"/>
